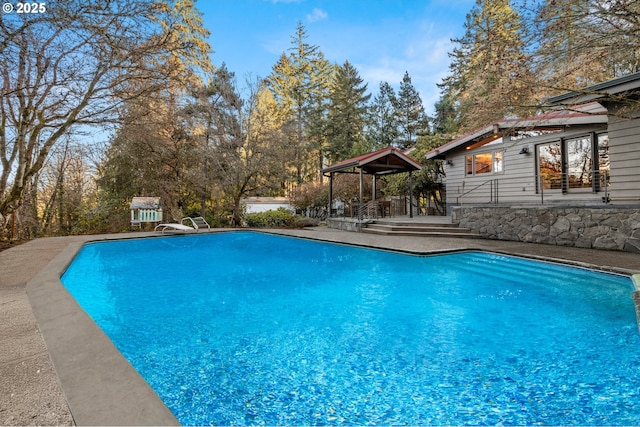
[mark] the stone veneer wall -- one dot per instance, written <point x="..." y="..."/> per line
<point x="583" y="227"/>
<point x="346" y="224"/>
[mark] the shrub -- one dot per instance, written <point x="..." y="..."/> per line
<point x="311" y="198"/>
<point x="278" y="218"/>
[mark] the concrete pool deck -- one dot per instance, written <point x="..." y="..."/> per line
<point x="58" y="368"/>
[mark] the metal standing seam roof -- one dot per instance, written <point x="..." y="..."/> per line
<point x="386" y="161"/>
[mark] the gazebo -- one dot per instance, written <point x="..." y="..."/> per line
<point x="386" y="161"/>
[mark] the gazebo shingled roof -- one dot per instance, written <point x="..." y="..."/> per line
<point x="386" y="161"/>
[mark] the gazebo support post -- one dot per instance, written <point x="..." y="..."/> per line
<point x="373" y="190"/>
<point x="330" y="194"/>
<point x="361" y="195"/>
<point x="410" y="195"/>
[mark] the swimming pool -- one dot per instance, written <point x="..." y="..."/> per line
<point x="249" y="328"/>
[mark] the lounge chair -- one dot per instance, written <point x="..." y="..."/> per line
<point x="196" y="224"/>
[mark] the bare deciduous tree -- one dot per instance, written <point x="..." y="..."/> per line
<point x="74" y="64"/>
<point x="245" y="155"/>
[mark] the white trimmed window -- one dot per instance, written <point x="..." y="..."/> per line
<point x="484" y="163"/>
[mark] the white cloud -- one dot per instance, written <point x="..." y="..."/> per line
<point x="426" y="59"/>
<point x="317" y="15"/>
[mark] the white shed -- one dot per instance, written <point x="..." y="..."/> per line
<point x="263" y="204"/>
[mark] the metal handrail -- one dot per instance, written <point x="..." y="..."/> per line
<point x="368" y="210"/>
<point x="600" y="181"/>
<point x="493" y="197"/>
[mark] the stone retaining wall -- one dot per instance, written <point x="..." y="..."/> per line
<point x="583" y="227"/>
<point x="346" y="224"/>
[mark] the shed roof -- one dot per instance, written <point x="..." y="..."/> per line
<point x="145" y="203"/>
<point x="386" y="161"/>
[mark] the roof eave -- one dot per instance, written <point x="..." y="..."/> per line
<point x="581" y="119"/>
<point x="339" y="167"/>
<point x="598" y="91"/>
<point x="364" y="160"/>
<point x="439" y="153"/>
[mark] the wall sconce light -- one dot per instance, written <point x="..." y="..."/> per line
<point x="525" y="150"/>
<point x="449" y="162"/>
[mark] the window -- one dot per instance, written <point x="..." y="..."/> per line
<point x="574" y="164"/>
<point x="602" y="174"/>
<point x="550" y="166"/>
<point x="603" y="153"/>
<point x="484" y="163"/>
<point x="497" y="162"/>
<point x="579" y="162"/>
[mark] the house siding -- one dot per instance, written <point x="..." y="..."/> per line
<point x="624" y="152"/>
<point x="517" y="183"/>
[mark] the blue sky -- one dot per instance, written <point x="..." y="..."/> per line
<point x="381" y="38"/>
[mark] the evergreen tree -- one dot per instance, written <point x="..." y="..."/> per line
<point x="206" y="114"/>
<point x="409" y="111"/>
<point x="153" y="129"/>
<point x="382" y="124"/>
<point x="445" y="121"/>
<point x="348" y="105"/>
<point x="489" y="76"/>
<point x="300" y="83"/>
<point x="238" y="149"/>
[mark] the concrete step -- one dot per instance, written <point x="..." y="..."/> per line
<point x="425" y="229"/>
<point x="420" y="233"/>
<point x="406" y="223"/>
<point x="434" y="228"/>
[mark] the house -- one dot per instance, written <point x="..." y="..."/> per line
<point x="582" y="155"/>
<point x="543" y="159"/>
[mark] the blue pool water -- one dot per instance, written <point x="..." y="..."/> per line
<point x="250" y="329"/>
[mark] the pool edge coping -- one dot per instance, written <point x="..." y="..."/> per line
<point x="101" y="387"/>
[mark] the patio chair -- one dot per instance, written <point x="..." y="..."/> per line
<point x="196" y="224"/>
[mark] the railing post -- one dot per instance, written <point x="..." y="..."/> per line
<point x="492" y="191"/>
<point x="495" y="191"/>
